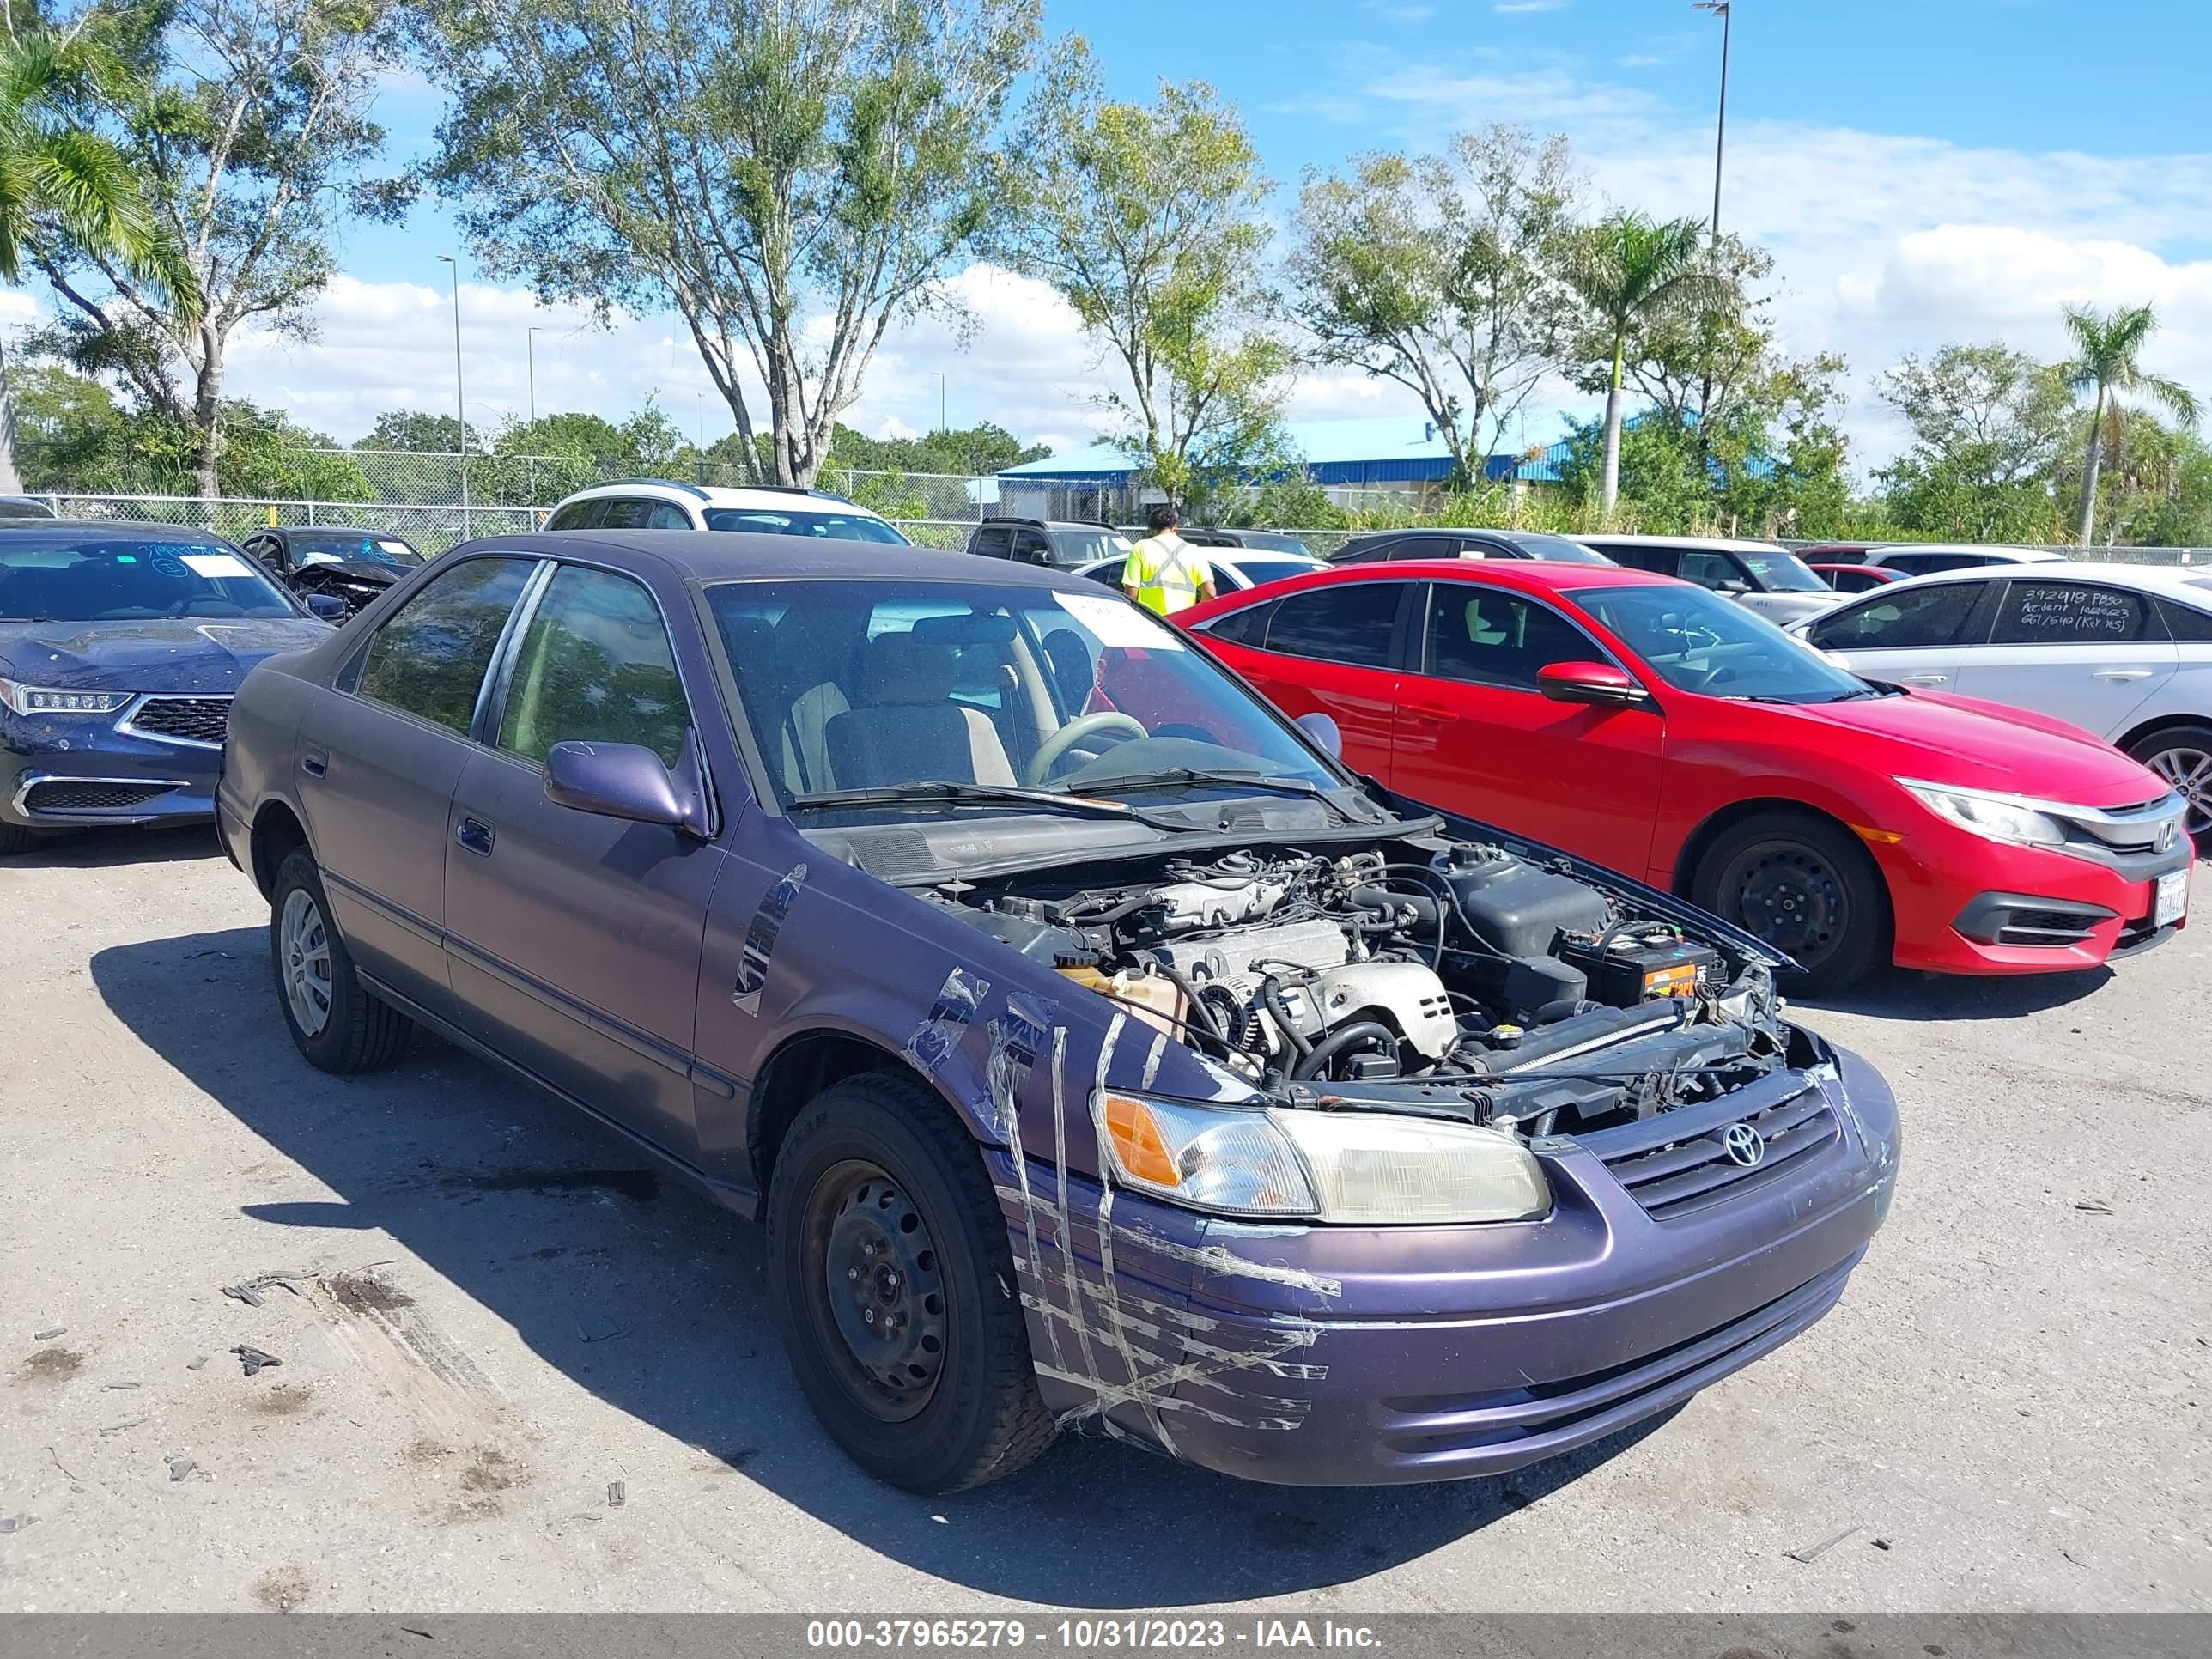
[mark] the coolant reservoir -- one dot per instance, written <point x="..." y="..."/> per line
<point x="1145" y="997"/>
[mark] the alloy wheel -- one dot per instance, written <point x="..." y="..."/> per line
<point x="2189" y="770"/>
<point x="305" y="942"/>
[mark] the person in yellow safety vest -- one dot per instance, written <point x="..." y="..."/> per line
<point x="1164" y="573"/>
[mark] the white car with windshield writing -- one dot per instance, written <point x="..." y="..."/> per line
<point x="2122" y="651"/>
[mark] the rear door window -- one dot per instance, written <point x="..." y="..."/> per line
<point x="995" y="541"/>
<point x="625" y="513"/>
<point x="1423" y="547"/>
<point x="1665" y="560"/>
<point x="666" y="515"/>
<point x="1346" y="621"/>
<point x="2072" y="613"/>
<point x="428" y="659"/>
<point x="579" y="515"/>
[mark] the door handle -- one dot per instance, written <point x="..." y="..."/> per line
<point x="2121" y="674"/>
<point x="1428" y="714"/>
<point x="315" y="762"/>
<point x="475" y="835"/>
<point x="1923" y="679"/>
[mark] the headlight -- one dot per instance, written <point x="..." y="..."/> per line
<point x="42" y="700"/>
<point x="2000" y="817"/>
<point x="1362" y="1168"/>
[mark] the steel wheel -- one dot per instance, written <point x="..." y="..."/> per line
<point x="881" y="1299"/>
<point x="2189" y="770"/>
<point x="306" y="942"/>
<point x="1789" y="895"/>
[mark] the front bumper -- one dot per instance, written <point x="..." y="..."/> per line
<point x="1966" y="905"/>
<point x="1338" y="1356"/>
<point x="71" y="772"/>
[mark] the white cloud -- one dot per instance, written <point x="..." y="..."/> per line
<point x="1512" y="8"/>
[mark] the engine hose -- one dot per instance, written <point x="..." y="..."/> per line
<point x="1360" y="1030"/>
<point x="1271" y="999"/>
<point x="1202" y="1011"/>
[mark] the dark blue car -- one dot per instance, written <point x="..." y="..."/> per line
<point x="121" y="646"/>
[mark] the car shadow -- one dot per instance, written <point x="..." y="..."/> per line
<point x="655" y="1300"/>
<point x="106" y="848"/>
<point x="1904" y="994"/>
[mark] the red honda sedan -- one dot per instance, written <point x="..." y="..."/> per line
<point x="1661" y="730"/>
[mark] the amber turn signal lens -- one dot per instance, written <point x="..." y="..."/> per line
<point x="1138" y="1143"/>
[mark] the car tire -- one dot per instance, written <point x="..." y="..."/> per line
<point x="877" y="1178"/>
<point x="1805" y="886"/>
<point x="14" y="838"/>
<point x="2181" y="755"/>
<point x="357" y="1031"/>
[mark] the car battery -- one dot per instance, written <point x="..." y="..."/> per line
<point x="1623" y="970"/>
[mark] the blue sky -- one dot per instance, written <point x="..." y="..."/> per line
<point x="1949" y="169"/>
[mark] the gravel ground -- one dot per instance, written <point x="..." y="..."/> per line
<point x="2011" y="1406"/>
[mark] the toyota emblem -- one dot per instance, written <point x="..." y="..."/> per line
<point x="1744" y="1145"/>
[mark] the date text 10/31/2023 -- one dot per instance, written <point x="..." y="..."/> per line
<point x="1085" y="1634"/>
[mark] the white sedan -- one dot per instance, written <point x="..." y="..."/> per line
<point x="1236" y="567"/>
<point x="2122" y="651"/>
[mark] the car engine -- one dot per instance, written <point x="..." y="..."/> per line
<point x="1472" y="973"/>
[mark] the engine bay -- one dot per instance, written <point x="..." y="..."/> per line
<point x="1453" y="978"/>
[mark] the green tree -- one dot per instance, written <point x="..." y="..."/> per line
<point x="1151" y="220"/>
<point x="789" y="176"/>
<point x="1988" y="424"/>
<point x="1632" y="272"/>
<point x="2108" y="347"/>
<point x="982" y="448"/>
<point x="248" y="127"/>
<point x="1444" y="273"/>
<point x="417" y="433"/>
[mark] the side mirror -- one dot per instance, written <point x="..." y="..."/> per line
<point x="1732" y="585"/>
<point x="627" y="780"/>
<point x="329" y="606"/>
<point x="1598" y="683"/>
<point x="1322" y="732"/>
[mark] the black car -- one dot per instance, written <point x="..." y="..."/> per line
<point x="1064" y="545"/>
<point x="17" y="508"/>
<point x="1260" y="541"/>
<point x="355" y="565"/>
<point x="121" y="646"/>
<point x="1391" y="545"/>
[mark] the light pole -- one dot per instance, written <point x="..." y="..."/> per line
<point x="941" y="427"/>
<point x="530" y="360"/>
<point x="1725" y="9"/>
<point x="460" y="400"/>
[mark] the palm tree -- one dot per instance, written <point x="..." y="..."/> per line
<point x="2107" y="348"/>
<point x="1631" y="270"/>
<point x="61" y="182"/>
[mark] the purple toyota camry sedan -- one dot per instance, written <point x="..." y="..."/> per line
<point x="1096" y="1047"/>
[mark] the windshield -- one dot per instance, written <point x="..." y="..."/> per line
<point x="1783" y="573"/>
<point x="1560" y="547"/>
<point x="1082" y="546"/>
<point x="1274" y="544"/>
<point x="361" y="546"/>
<point x="73" y="575"/>
<point x="779" y="522"/>
<point x="1696" y="641"/>
<point x="894" y="684"/>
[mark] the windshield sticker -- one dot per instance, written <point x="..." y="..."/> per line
<point x="215" y="564"/>
<point x="760" y="939"/>
<point x="1118" y="625"/>
<point x="399" y="550"/>
<point x="169" y="565"/>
